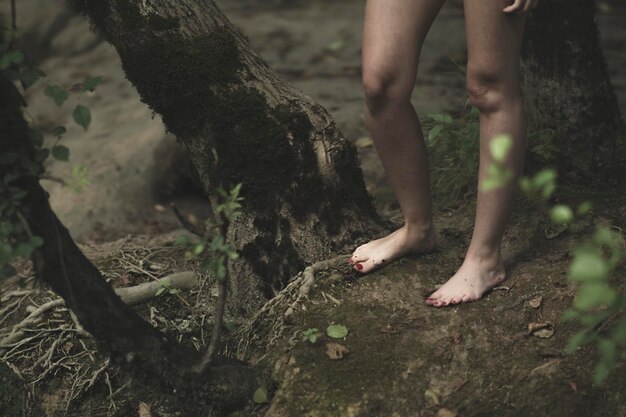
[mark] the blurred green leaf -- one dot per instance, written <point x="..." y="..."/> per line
<point x="60" y="152"/>
<point x="593" y="295"/>
<point x="82" y="116"/>
<point x="91" y="83"/>
<point x="57" y="93"/>
<point x="561" y="214"/>
<point x="10" y="58"/>
<point x="500" y="147"/>
<point x="588" y="266"/>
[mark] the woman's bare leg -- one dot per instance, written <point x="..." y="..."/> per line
<point x="493" y="79"/>
<point x="393" y="35"/>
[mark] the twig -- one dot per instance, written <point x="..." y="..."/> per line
<point x="186" y="223"/>
<point x="208" y="356"/>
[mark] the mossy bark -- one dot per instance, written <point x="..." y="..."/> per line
<point x="304" y="193"/>
<point x="567" y="86"/>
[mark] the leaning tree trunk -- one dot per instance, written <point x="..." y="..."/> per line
<point x="567" y="85"/>
<point x="153" y="358"/>
<point x="242" y="123"/>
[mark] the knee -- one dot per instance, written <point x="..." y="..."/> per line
<point x="383" y="89"/>
<point x="488" y="91"/>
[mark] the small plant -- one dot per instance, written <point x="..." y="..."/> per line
<point x="211" y="248"/>
<point x="311" y="335"/>
<point x="16" y="240"/>
<point x="453" y="152"/>
<point x="214" y="253"/>
<point x="594" y="262"/>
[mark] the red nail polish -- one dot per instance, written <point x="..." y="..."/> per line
<point x="359" y="266"/>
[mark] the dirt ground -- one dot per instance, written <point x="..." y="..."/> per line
<point x="405" y="359"/>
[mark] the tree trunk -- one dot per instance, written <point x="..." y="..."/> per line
<point x="137" y="347"/>
<point x="303" y="189"/>
<point x="567" y="85"/>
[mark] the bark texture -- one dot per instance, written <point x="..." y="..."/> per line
<point x="151" y="356"/>
<point x="303" y="189"/>
<point x="567" y="87"/>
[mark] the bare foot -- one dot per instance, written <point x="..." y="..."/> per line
<point x="474" y="278"/>
<point x="404" y="241"/>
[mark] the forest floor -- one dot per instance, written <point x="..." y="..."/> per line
<point x="405" y="359"/>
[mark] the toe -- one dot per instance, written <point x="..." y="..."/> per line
<point x="369" y="265"/>
<point x="358" y="257"/>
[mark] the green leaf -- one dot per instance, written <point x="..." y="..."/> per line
<point x="57" y="93"/>
<point x="569" y="315"/>
<point x="90" y="84"/>
<point x="544" y="177"/>
<point x="59" y="131"/>
<point x="181" y="240"/>
<point x="434" y="133"/>
<point x="500" y="147"/>
<point x="337" y="331"/>
<point x="260" y="395"/>
<point x="548" y="190"/>
<point x="561" y="214"/>
<point x="575" y="341"/>
<point x="588" y="266"/>
<point x="441" y="118"/>
<point x="604" y="236"/>
<point x="161" y="290"/>
<point x="13" y="57"/>
<point x="60" y="152"/>
<point x="593" y="295"/>
<point x="82" y="116"/>
<point x="525" y="184"/>
<point x="584" y="208"/>
<point x="198" y="249"/>
<point x="619" y="333"/>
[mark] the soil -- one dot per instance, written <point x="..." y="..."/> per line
<point x="405" y="358"/>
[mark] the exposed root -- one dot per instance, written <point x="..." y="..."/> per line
<point x="50" y="340"/>
<point x="277" y="311"/>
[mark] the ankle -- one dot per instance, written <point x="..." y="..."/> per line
<point x="421" y="228"/>
<point x="487" y="256"/>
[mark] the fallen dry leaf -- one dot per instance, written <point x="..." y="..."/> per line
<point x="431" y="396"/>
<point x="444" y="412"/>
<point x="542" y="330"/>
<point x="536" y="302"/>
<point x="364" y="142"/>
<point x="144" y="410"/>
<point x="573" y="386"/>
<point x="335" y="351"/>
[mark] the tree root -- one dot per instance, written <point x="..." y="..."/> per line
<point x="130" y="295"/>
<point x="277" y="311"/>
